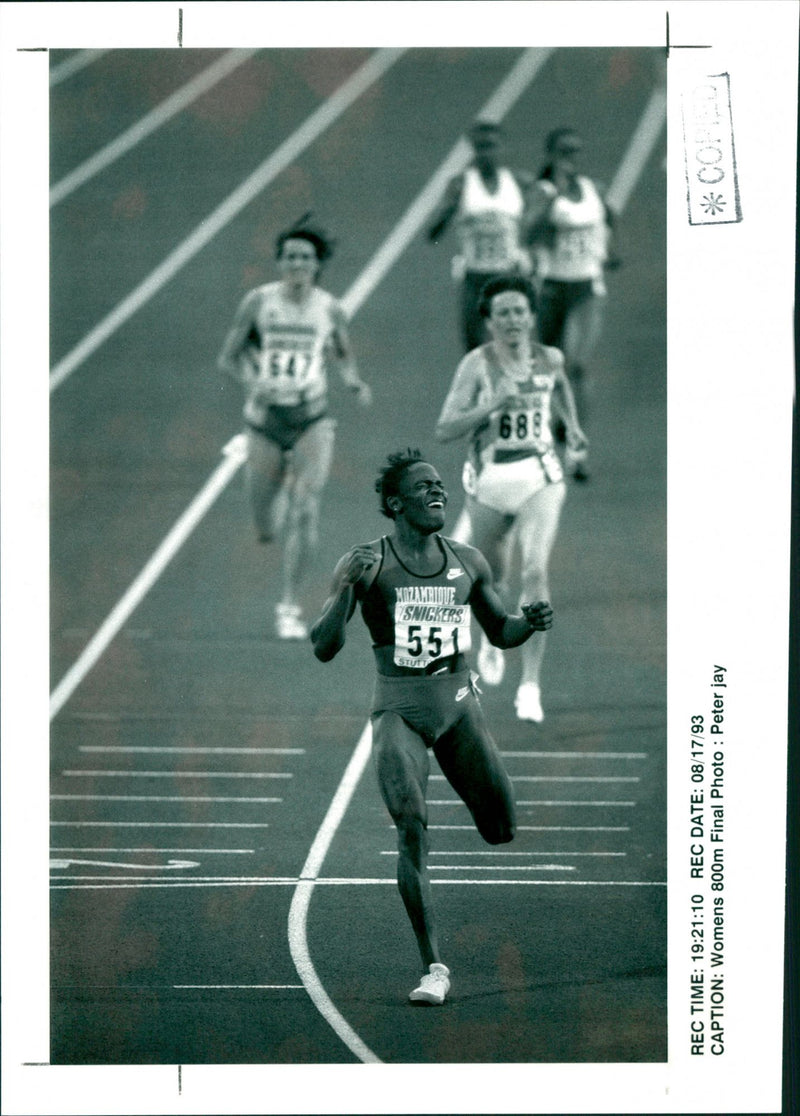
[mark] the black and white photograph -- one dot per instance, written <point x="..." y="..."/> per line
<point x="323" y="747"/>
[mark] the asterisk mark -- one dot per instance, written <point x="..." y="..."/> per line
<point x="713" y="204"/>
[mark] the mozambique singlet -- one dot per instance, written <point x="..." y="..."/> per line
<point x="422" y="618"/>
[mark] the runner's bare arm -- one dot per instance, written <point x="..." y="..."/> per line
<point x="237" y="356"/>
<point x="503" y="629"/>
<point x="564" y="404"/>
<point x="461" y="413"/>
<point x="447" y="209"/>
<point x="328" y="632"/>
<point x="342" y="352"/>
<point x="535" y="220"/>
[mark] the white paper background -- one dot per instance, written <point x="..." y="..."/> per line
<point x="730" y="408"/>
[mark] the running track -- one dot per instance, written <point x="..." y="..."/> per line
<point x="223" y="873"/>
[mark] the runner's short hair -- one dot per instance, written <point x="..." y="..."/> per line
<point x="498" y="285"/>
<point x="388" y="480"/>
<point x="303" y="229"/>
<point x="484" y="127"/>
<point x="564" y="139"/>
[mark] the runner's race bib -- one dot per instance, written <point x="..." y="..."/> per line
<point x="489" y="241"/>
<point x="424" y="632"/>
<point x="524" y="427"/>
<point x="527" y="428"/>
<point x="286" y="365"/>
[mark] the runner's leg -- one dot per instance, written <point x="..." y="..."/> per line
<point x="492" y="534"/>
<point x="581" y="333"/>
<point x="537" y="524"/>
<point x="551" y="319"/>
<point x="402" y="765"/>
<point x="471" y="763"/>
<point x="264" y="475"/>
<point x="473" y="325"/>
<point x="311" y="464"/>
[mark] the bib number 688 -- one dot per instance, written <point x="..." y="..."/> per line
<point x="521" y="425"/>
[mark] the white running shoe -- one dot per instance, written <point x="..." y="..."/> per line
<point x="433" y="987"/>
<point x="491" y="663"/>
<point x="528" y="703"/>
<point x="289" y="623"/>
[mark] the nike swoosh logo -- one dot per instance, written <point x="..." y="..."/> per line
<point x="462" y="693"/>
<point x="451" y="574"/>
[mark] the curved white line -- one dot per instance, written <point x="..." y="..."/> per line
<point x="298" y="912"/>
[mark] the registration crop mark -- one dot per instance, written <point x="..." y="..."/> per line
<point x="712" y="185"/>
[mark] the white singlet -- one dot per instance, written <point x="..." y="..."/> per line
<point x="488" y="224"/>
<point x="513" y="455"/>
<point x="580" y="236"/>
<point x="292" y="356"/>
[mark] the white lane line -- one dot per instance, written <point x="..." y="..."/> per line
<point x="281" y="881"/>
<point x="238" y="987"/>
<point x="146" y="849"/>
<point x="57" y="863"/>
<point x="502" y="868"/>
<point x="564" y="778"/>
<point x="237" y="881"/>
<point x="154" y="798"/>
<point x="149" y="123"/>
<point x="559" y="802"/>
<point x="61" y="883"/>
<point x="576" y="755"/>
<point x="73" y="65"/>
<point x="233" y="456"/>
<point x="79" y="772"/>
<point x="189" y="751"/>
<point x="160" y="825"/>
<point x="648" y="130"/>
<point x="283" y="156"/>
<point x="550" y="828"/>
<point x="498" y="852"/>
<point x="534" y="802"/>
<point x="558" y="883"/>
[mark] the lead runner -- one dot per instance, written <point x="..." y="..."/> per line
<point x="418" y="592"/>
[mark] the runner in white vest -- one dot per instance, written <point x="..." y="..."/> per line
<point x="487" y="204"/>
<point x="570" y="237"/>
<point x="283" y="336"/>
<point x="501" y="397"/>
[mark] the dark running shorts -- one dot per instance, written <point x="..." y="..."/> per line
<point x="555" y="301"/>
<point x="286" y="425"/>
<point x="429" y="705"/>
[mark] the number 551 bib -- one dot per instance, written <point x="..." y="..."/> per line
<point x="424" y="632"/>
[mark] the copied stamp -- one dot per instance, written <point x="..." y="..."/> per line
<point x="712" y="185"/>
